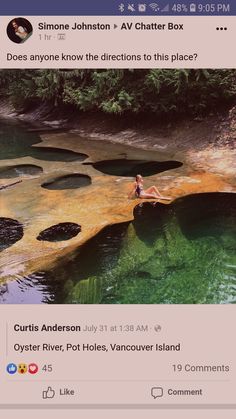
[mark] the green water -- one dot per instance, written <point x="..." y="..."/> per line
<point x="182" y="253"/>
<point x="16" y="141"/>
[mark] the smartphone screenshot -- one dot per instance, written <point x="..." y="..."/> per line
<point x="117" y="209"/>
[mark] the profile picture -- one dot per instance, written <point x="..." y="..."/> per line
<point x="19" y="30"/>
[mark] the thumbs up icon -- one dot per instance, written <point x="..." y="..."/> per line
<point x="49" y="393"/>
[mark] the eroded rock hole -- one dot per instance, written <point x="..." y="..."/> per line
<point x="56" y="154"/>
<point x="72" y="181"/>
<point x="60" y="232"/>
<point x="11" y="231"/>
<point x="123" y="167"/>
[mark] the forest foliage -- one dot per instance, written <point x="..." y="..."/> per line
<point x="156" y="91"/>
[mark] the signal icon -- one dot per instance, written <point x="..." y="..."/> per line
<point x="166" y="8"/>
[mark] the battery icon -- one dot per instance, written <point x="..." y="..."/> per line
<point x="193" y="8"/>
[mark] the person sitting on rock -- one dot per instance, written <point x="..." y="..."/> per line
<point x="150" y="193"/>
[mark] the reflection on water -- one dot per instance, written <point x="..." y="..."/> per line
<point x="16" y="141"/>
<point x="30" y="290"/>
<point x="179" y="253"/>
<point x="20" y="170"/>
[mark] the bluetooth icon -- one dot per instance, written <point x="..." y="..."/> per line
<point x="122" y="7"/>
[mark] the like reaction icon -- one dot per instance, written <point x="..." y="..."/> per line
<point x="33" y="368"/>
<point x="11" y="368"/>
<point x="49" y="393"/>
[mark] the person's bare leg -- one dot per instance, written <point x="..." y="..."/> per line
<point x="149" y="195"/>
<point x="165" y="198"/>
<point x="153" y="189"/>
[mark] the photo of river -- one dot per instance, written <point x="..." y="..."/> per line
<point x="71" y="229"/>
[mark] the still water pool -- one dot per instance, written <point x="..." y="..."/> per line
<point x="17" y="141"/>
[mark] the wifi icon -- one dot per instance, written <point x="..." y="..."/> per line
<point x="154" y="7"/>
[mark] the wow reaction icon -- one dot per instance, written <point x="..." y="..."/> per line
<point x="22" y="368"/>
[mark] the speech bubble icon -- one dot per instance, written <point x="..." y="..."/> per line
<point x="156" y="392"/>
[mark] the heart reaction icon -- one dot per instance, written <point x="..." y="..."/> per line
<point x="33" y="368"/>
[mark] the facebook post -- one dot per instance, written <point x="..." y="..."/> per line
<point x="118" y="209"/>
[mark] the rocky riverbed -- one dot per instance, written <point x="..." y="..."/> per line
<point x="203" y="150"/>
